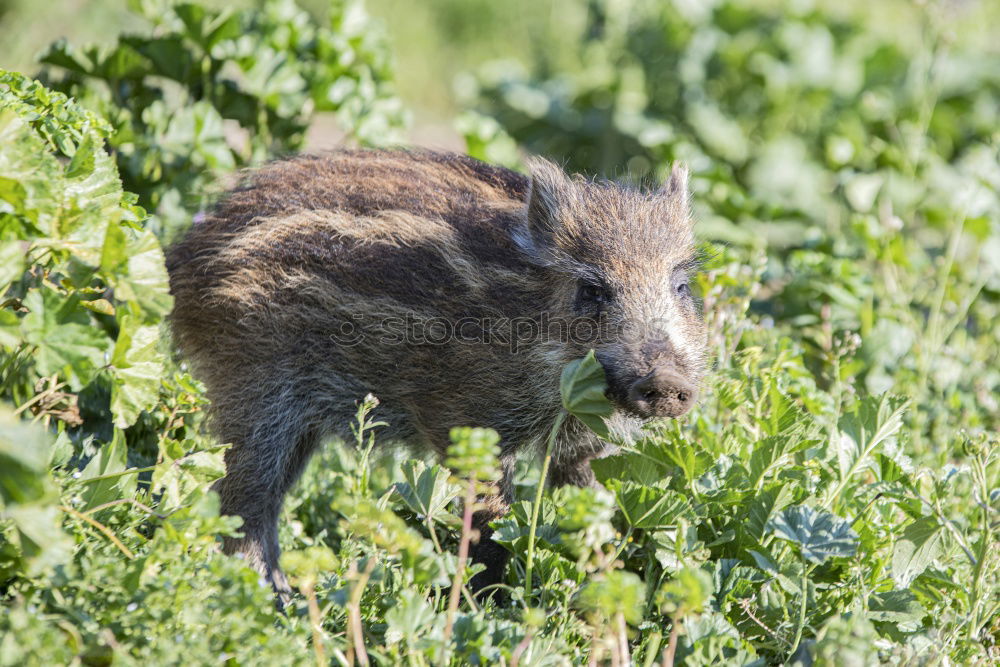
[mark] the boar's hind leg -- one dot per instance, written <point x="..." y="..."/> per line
<point x="260" y="468"/>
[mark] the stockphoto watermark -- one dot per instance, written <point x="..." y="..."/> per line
<point x="512" y="333"/>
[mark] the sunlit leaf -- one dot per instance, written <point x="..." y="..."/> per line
<point x="649" y="507"/>
<point x="819" y="534"/>
<point x="427" y="490"/>
<point x="920" y="544"/>
<point x="103" y="481"/>
<point x="136" y="369"/>
<point x="582" y="387"/>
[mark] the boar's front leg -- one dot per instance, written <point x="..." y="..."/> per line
<point x="573" y="473"/>
<point x="484" y="550"/>
<point x="571" y="459"/>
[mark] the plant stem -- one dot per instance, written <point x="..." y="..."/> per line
<point x="131" y="501"/>
<point x="112" y="475"/>
<point x="101" y="527"/>
<point x="651" y="648"/>
<point x="463" y="555"/>
<point x="521" y="647"/>
<point x="355" y="635"/>
<point x="538" y="502"/>
<point x="979" y="475"/>
<point x="802" y="612"/>
<point x="624" y="543"/>
<point x="671" y="650"/>
<point x="622" y="640"/>
<point x="316" y="620"/>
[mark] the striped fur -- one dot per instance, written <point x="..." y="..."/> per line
<point x="293" y="294"/>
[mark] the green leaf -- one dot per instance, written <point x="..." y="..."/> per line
<point x="185" y="477"/>
<point x="136" y="368"/>
<point x="67" y="342"/>
<point x="12" y="261"/>
<point x="772" y="453"/>
<point x="820" y="534"/>
<point x="582" y="387"/>
<point x="39" y="536"/>
<point x="197" y="133"/>
<point x="207" y="28"/>
<point x="168" y="54"/>
<point x="899" y="607"/>
<point x="687" y="593"/>
<point x="145" y="282"/>
<point x="920" y="544"/>
<point x="635" y="465"/>
<point x="109" y="460"/>
<point x="411" y="618"/>
<point x="83" y="162"/>
<point x="650" y="507"/>
<point x="674" y="448"/>
<point x="869" y="424"/>
<point x="122" y="62"/>
<point x="31" y="185"/>
<point x="62" y="54"/>
<point x="204" y="466"/>
<point x="473" y="453"/>
<point x="93" y="200"/>
<point x="616" y="592"/>
<point x="427" y="490"/>
<point x="24" y="455"/>
<point x="763" y="506"/>
<point x="29" y="497"/>
<point x="859" y="433"/>
<point x="513" y="536"/>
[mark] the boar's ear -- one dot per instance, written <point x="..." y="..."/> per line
<point x="676" y="185"/>
<point x="550" y="190"/>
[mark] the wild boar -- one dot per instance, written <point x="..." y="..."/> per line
<point x="453" y="290"/>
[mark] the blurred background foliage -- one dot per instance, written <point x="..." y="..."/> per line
<point x="845" y="163"/>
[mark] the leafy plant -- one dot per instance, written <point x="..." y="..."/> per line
<point x="86" y="287"/>
<point x="864" y="161"/>
<point x="832" y="499"/>
<point x="205" y="91"/>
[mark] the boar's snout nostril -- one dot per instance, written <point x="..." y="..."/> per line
<point x="662" y="393"/>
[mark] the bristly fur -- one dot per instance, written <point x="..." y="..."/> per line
<point x="307" y="254"/>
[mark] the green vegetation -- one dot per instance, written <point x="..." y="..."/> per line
<point x="833" y="498"/>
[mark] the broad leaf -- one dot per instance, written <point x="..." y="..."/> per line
<point x="820" y="534"/>
<point x="106" y="465"/>
<point x="920" y="544"/>
<point x="136" y="368"/>
<point x="67" y="342"/>
<point x="763" y="506"/>
<point x="873" y="420"/>
<point x="771" y="453"/>
<point x="649" y="507"/>
<point x="427" y="490"/>
<point x="899" y="607"/>
<point x="634" y="465"/>
<point x="582" y="387"/>
<point x="28" y="498"/>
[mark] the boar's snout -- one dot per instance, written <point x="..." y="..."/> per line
<point x="662" y="393"/>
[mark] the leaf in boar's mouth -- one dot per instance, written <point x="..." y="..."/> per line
<point x="582" y="386"/>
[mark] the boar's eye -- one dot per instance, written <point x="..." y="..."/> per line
<point x="681" y="285"/>
<point x="592" y="294"/>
